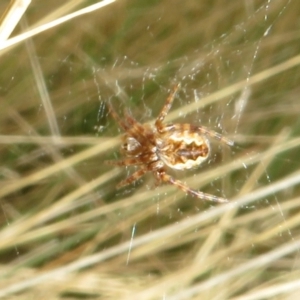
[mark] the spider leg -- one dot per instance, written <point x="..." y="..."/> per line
<point x="136" y="129"/>
<point x="123" y="162"/>
<point x="168" y="179"/>
<point x="141" y="132"/>
<point x="196" y="129"/>
<point x="132" y="122"/>
<point x="133" y="177"/>
<point x="166" y="107"/>
<point x="112" y="111"/>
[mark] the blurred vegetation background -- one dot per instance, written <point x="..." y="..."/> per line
<point x="67" y="233"/>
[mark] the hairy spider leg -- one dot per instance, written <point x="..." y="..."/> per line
<point x="194" y="129"/>
<point x="122" y="124"/>
<point x="132" y="178"/>
<point x="166" y="107"/>
<point x="169" y="179"/>
<point x="135" y="128"/>
<point x="139" y="131"/>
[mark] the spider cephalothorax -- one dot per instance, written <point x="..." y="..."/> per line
<point x="178" y="146"/>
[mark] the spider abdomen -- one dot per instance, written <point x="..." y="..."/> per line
<point x="184" y="150"/>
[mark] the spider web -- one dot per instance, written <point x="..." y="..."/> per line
<point x="238" y="69"/>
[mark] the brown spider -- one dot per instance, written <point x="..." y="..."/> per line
<point x="151" y="148"/>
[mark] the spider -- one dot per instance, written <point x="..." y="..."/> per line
<point x="152" y="148"/>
